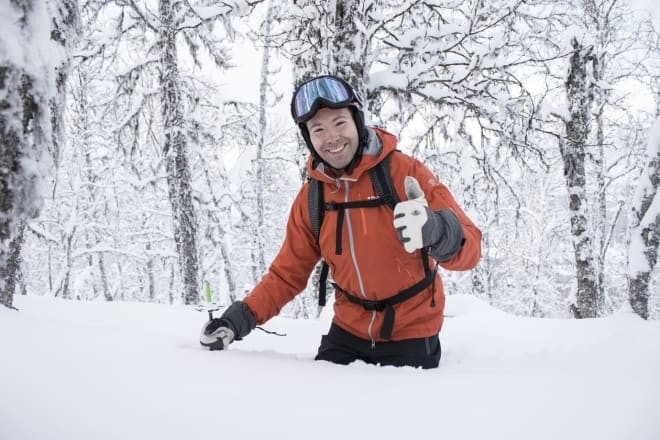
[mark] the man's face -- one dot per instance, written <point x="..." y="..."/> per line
<point x="334" y="136"/>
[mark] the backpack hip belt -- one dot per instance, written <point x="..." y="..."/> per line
<point x="387" y="305"/>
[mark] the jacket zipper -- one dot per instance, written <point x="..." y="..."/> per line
<point x="351" y="243"/>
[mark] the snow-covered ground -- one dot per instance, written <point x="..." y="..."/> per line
<point x="77" y="370"/>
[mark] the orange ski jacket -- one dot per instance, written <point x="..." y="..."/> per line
<point x="373" y="264"/>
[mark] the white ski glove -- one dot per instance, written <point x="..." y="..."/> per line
<point x="418" y="227"/>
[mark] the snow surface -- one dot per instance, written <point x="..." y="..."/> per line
<point x="96" y="370"/>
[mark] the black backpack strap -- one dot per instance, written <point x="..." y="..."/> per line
<point x="315" y="206"/>
<point x="381" y="179"/>
<point x="316" y="213"/>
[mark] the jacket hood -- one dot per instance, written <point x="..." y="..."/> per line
<point x="379" y="144"/>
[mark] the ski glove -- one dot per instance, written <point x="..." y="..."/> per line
<point x="235" y="323"/>
<point x="419" y="227"/>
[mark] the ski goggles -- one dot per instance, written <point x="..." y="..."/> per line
<point x="322" y="91"/>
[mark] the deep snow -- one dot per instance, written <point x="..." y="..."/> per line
<point x="96" y="370"/>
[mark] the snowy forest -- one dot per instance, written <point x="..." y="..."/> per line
<point x="146" y="147"/>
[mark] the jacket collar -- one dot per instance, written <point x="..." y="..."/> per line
<point x="380" y="143"/>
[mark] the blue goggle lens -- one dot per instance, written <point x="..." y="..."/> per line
<point x="326" y="90"/>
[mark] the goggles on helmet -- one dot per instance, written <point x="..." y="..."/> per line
<point x="322" y="91"/>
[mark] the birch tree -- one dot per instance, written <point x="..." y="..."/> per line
<point x="645" y="230"/>
<point x="579" y="92"/>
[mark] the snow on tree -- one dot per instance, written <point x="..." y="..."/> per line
<point x="33" y="68"/>
<point x="451" y="79"/>
<point x="645" y="230"/>
<point x="155" y="103"/>
<point x="599" y="137"/>
<point x="579" y="91"/>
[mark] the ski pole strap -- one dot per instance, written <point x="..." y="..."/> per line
<point x="387" y="305"/>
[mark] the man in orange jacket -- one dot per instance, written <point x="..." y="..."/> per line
<point x="389" y="298"/>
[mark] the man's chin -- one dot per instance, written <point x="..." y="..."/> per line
<point x="336" y="167"/>
<point x="340" y="167"/>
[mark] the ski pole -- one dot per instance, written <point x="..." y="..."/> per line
<point x="207" y="288"/>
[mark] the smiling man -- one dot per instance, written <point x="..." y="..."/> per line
<point x="381" y="222"/>
<point x="334" y="136"/>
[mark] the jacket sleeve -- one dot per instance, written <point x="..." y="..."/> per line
<point x="288" y="274"/>
<point x="439" y="197"/>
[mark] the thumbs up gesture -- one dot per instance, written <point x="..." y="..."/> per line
<point x="415" y="224"/>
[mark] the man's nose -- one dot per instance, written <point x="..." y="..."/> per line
<point x="332" y="136"/>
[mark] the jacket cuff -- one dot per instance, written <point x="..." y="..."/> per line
<point x="451" y="241"/>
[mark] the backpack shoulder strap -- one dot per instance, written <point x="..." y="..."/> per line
<point x="382" y="181"/>
<point x="315" y="204"/>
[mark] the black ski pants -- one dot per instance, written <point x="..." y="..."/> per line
<point x="341" y="347"/>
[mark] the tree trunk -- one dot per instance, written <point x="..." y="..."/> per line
<point x="19" y="200"/>
<point x="349" y="51"/>
<point x="579" y="90"/>
<point x="10" y="272"/>
<point x="104" y="279"/>
<point x="174" y="150"/>
<point x="645" y="233"/>
<point x="151" y="274"/>
<point x="24" y="124"/>
<point x="259" y="164"/>
<point x="10" y="153"/>
<point x="63" y="290"/>
<point x="228" y="266"/>
<point x="600" y="224"/>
